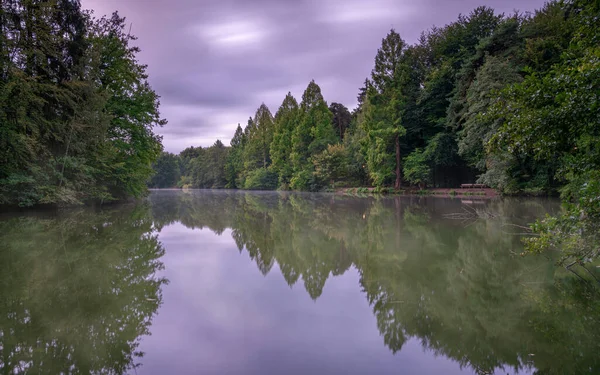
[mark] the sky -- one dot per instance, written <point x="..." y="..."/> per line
<point x="213" y="62"/>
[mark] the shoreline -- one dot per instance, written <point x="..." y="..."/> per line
<point x="481" y="193"/>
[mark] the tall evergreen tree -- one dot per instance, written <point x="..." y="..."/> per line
<point x="235" y="162"/>
<point x="260" y="136"/>
<point x="383" y="120"/>
<point x="286" y="120"/>
<point x="312" y="135"/>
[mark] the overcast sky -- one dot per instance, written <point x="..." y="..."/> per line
<point x="213" y="62"/>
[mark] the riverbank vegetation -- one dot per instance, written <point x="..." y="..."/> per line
<point x="76" y="111"/>
<point x="510" y="101"/>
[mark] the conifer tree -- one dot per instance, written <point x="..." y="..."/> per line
<point x="312" y="135"/>
<point x="260" y="136"/>
<point x="383" y="120"/>
<point x="235" y="162"/>
<point x="286" y="120"/>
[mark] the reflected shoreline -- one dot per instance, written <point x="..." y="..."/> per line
<point x="86" y="284"/>
<point x="408" y="249"/>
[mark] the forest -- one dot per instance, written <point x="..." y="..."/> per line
<point x="489" y="98"/>
<point x="77" y="115"/>
<point x="509" y="101"/>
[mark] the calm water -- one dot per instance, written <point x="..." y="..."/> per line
<point x="266" y="283"/>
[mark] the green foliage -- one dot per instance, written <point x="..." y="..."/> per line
<point x="341" y="119"/>
<point x="303" y="180"/>
<point x="234" y="165"/>
<point x="553" y="115"/>
<point x="77" y="113"/>
<point x="286" y="121"/>
<point x="382" y="121"/>
<point x="476" y="131"/>
<point x="261" y="179"/>
<point x="331" y="165"/>
<point x="312" y="136"/>
<point x="208" y="170"/>
<point x="416" y="168"/>
<point x="257" y="151"/>
<point x="357" y="165"/>
<point x="167" y="171"/>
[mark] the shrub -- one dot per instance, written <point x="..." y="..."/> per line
<point x="261" y="179"/>
<point x="416" y="169"/>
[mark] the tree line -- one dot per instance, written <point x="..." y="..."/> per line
<point x="510" y="101"/>
<point x="457" y="106"/>
<point x="77" y="115"/>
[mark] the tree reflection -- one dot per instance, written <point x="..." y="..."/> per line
<point x="77" y="291"/>
<point x="459" y="287"/>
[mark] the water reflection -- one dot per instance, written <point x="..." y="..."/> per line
<point x="77" y="290"/>
<point x="81" y="290"/>
<point x="459" y="286"/>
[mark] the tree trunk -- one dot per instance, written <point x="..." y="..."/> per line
<point x="397" y="183"/>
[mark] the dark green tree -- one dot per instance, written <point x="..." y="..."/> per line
<point x="208" y="170"/>
<point x="167" y="171"/>
<point x="341" y="119"/>
<point x="554" y="116"/>
<point x="77" y="113"/>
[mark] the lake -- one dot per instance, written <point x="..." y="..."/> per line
<point x="220" y="282"/>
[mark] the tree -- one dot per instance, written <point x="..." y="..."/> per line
<point x="208" y="170"/>
<point x="362" y="94"/>
<point x="260" y="136"/>
<point x="235" y="162"/>
<point x="312" y="135"/>
<point x="341" y="119"/>
<point x="331" y="165"/>
<point x="78" y="114"/>
<point x="166" y="170"/>
<point x="494" y="75"/>
<point x="553" y="116"/>
<point x="286" y="121"/>
<point x="383" y="115"/>
<point x="131" y="145"/>
<point x="261" y="179"/>
<point x="416" y="168"/>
